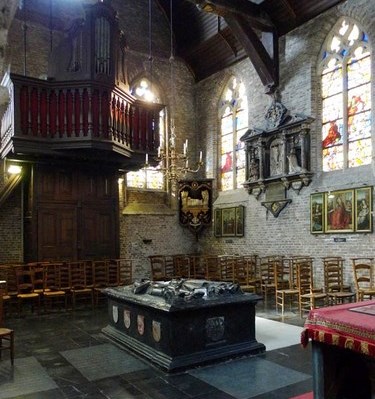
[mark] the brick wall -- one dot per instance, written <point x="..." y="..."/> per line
<point x="10" y="224"/>
<point x="289" y="234"/>
<point x="196" y="118"/>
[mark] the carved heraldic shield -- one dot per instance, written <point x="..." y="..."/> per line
<point x="156" y="330"/>
<point x="215" y="328"/>
<point x="115" y="313"/>
<point x="141" y="324"/>
<point x="127" y="318"/>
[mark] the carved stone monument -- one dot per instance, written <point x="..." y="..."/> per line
<point x="281" y="155"/>
<point x="182" y="323"/>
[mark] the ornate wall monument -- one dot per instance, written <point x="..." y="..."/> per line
<point x="278" y="157"/>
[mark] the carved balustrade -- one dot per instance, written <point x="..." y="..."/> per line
<point x="74" y="115"/>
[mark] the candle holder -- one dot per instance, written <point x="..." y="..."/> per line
<point x="174" y="164"/>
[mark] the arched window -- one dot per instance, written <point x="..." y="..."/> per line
<point x="346" y="98"/>
<point x="150" y="177"/>
<point x="234" y="123"/>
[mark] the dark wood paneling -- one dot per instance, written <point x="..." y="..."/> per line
<point x="99" y="230"/>
<point x="74" y="215"/>
<point x="57" y="232"/>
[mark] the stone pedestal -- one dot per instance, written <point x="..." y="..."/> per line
<point x="183" y="333"/>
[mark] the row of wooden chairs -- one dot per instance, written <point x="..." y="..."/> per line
<point x="293" y="278"/>
<point x="62" y="282"/>
<point x="230" y="268"/>
<point x="282" y="277"/>
<point x="6" y="334"/>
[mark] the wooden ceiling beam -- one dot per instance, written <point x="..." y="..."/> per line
<point x="262" y="54"/>
<point x="252" y="12"/>
<point x="289" y="9"/>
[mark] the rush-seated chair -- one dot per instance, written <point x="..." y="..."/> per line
<point x="6" y="334"/>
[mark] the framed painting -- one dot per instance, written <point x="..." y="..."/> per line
<point x="217" y="222"/>
<point x="363" y="210"/>
<point x="339" y="211"/>
<point x="240" y="221"/>
<point x="317" y="219"/>
<point x="228" y="217"/>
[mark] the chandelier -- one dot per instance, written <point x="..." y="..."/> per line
<point x="174" y="164"/>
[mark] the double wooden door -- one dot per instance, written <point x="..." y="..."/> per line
<point x="71" y="213"/>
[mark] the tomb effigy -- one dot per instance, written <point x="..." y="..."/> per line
<point x="182" y="323"/>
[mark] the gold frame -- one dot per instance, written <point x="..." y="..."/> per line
<point x="363" y="210"/>
<point x="317" y="213"/>
<point x="339" y="211"/>
<point x="229" y="222"/>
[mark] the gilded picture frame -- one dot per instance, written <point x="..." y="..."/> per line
<point x="363" y="210"/>
<point x="317" y="219"/>
<point x="229" y="222"/>
<point x="240" y="213"/>
<point x="339" y="211"/>
<point x="228" y="217"/>
<point x="217" y="222"/>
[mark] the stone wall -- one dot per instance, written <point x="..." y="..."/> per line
<point x="11" y="248"/>
<point x="289" y="234"/>
<point x="196" y="118"/>
<point x="140" y="224"/>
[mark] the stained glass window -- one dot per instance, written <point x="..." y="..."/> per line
<point x="346" y="98"/>
<point x="151" y="177"/>
<point x="234" y="123"/>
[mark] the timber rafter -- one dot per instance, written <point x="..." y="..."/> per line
<point x="243" y="18"/>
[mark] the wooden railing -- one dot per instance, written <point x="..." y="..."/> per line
<point x="76" y="114"/>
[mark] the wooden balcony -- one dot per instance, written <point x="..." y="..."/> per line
<point x="77" y="119"/>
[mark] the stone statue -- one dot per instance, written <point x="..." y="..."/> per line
<point x="253" y="170"/>
<point x="293" y="162"/>
<point x="276" y="158"/>
<point x="186" y="290"/>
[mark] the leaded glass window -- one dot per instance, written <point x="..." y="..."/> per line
<point x="151" y="177"/>
<point x="234" y="123"/>
<point x="346" y="98"/>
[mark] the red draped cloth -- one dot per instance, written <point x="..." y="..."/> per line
<point x="350" y="326"/>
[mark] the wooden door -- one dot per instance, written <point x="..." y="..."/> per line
<point x="57" y="232"/>
<point x="98" y="233"/>
<point x="72" y="214"/>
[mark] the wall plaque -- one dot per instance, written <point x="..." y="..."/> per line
<point x="195" y="204"/>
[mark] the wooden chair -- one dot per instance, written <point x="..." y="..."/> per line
<point x="25" y="289"/>
<point x="53" y="292"/>
<point x="252" y="266"/>
<point x="157" y="263"/>
<point x="197" y="267"/>
<point x="78" y="286"/>
<point x="334" y="281"/>
<point x="11" y="279"/>
<point x="226" y="265"/>
<point x="113" y="273"/>
<point x="6" y="334"/>
<point x="170" y="267"/>
<point x="64" y="276"/>
<point x="181" y="268"/>
<point x="243" y="275"/>
<point x="5" y="297"/>
<point x="88" y="274"/>
<point x="267" y="276"/>
<point x="310" y="297"/>
<point x="286" y="287"/>
<point x="125" y="267"/>
<point x="100" y="278"/>
<point x="38" y="270"/>
<point x="364" y="280"/>
<point x="212" y="268"/>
